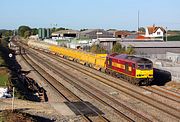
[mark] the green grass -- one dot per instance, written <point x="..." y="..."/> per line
<point x="1" y="117"/>
<point x="3" y="73"/>
<point x="3" y="79"/>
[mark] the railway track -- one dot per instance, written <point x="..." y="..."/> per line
<point x="65" y="75"/>
<point x="63" y="91"/>
<point x="177" y="93"/>
<point x="164" y="93"/>
<point x="153" y="102"/>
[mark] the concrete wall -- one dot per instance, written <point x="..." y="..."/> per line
<point x="156" y="50"/>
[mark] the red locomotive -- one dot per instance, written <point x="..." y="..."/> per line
<point x="136" y="70"/>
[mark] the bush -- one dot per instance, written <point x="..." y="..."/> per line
<point x="173" y="38"/>
<point x="97" y="49"/>
<point x="117" y="48"/>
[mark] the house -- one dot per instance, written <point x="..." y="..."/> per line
<point x="154" y="32"/>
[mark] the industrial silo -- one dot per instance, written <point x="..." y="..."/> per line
<point x="43" y="33"/>
<point x="40" y="33"/>
<point x="48" y="33"/>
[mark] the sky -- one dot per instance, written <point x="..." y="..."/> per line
<point x="93" y="14"/>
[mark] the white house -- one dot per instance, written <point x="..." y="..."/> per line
<point x="154" y="32"/>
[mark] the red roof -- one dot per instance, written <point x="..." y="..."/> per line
<point x="153" y="29"/>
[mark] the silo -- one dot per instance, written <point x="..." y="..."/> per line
<point x="48" y="34"/>
<point x="43" y="33"/>
<point x="40" y="33"/>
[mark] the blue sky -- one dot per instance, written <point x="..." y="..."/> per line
<point x="78" y="14"/>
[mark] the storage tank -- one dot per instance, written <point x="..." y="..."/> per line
<point x="48" y="34"/>
<point x="43" y="33"/>
<point x="40" y="32"/>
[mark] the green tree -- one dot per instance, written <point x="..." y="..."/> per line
<point x="61" y="28"/>
<point x="27" y="34"/>
<point x="97" y="49"/>
<point x="53" y="30"/>
<point x="83" y="29"/>
<point x="57" y="29"/>
<point x="130" y="50"/>
<point x="34" y="31"/>
<point x="22" y="30"/>
<point x="117" y="48"/>
<point x="8" y="33"/>
<point x="141" y="29"/>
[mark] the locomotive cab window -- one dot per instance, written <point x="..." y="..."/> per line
<point x="145" y="66"/>
<point x="148" y="66"/>
<point x="140" y="66"/>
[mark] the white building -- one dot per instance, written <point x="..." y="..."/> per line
<point x="155" y="32"/>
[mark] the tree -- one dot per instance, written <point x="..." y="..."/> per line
<point x="141" y="29"/>
<point x="27" y="34"/>
<point x="83" y="29"/>
<point x="130" y="50"/>
<point x="61" y="28"/>
<point x="53" y="29"/>
<point x="57" y="29"/>
<point x="97" y="49"/>
<point x="6" y="33"/>
<point x="22" y="30"/>
<point x="117" y="48"/>
<point x="34" y="31"/>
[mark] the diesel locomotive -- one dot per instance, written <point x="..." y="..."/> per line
<point x="136" y="70"/>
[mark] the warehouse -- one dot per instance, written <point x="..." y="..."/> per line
<point x="95" y="33"/>
<point x="147" y="48"/>
<point x="107" y="43"/>
<point x="66" y="34"/>
<point x="119" y="33"/>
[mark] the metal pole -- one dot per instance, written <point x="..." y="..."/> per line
<point x="138" y="22"/>
<point x="97" y="34"/>
<point x="13" y="101"/>
<point x="166" y="33"/>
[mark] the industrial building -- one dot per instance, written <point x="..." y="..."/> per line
<point x="119" y="33"/>
<point x="107" y="43"/>
<point x="95" y="33"/>
<point x="65" y="34"/>
<point x="146" y="48"/>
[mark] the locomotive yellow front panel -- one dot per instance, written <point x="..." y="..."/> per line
<point x="144" y="73"/>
